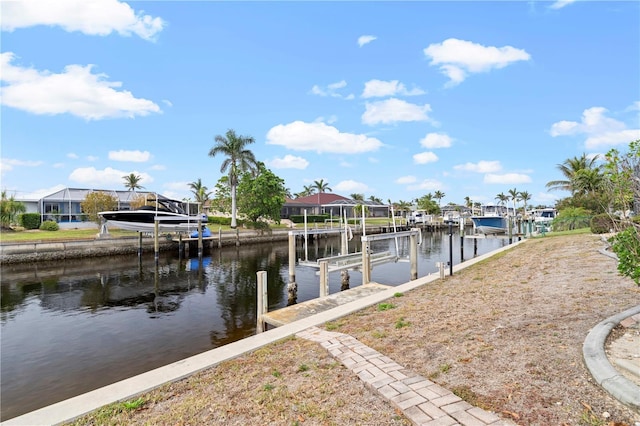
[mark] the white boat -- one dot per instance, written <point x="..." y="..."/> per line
<point x="169" y="214"/>
<point x="542" y="218"/>
<point x="493" y="220"/>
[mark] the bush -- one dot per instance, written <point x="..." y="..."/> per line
<point x="49" y="225"/>
<point x="30" y="220"/>
<point x="601" y="223"/>
<point x="311" y="218"/>
<point x="222" y="220"/>
<point x="626" y="245"/>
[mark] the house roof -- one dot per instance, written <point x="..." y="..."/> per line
<point x="79" y="194"/>
<point x="321" y="198"/>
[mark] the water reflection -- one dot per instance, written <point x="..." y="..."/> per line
<point x="75" y="325"/>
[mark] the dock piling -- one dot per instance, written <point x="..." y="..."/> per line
<point x="262" y="300"/>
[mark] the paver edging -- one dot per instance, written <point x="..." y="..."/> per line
<point x="598" y="364"/>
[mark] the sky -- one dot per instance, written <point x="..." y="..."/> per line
<point x="388" y="99"/>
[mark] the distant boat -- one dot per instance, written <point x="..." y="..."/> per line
<point x="493" y="220"/>
<point x="169" y="214"/>
<point x="542" y="218"/>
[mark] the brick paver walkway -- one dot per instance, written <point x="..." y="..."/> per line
<point x="421" y="401"/>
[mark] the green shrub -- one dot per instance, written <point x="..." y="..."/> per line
<point x="601" y="223"/>
<point x="30" y="220"/>
<point x="626" y="245"/>
<point x="311" y="218"/>
<point x="219" y="220"/>
<point x="49" y="225"/>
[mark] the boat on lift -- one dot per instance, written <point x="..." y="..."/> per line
<point x="169" y="214"/>
<point x="493" y="220"/>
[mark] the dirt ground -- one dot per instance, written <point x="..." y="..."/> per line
<point x="505" y="334"/>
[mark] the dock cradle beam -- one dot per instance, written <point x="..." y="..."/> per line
<point x="367" y="257"/>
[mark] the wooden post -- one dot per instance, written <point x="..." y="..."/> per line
<point x="139" y="244"/>
<point x="324" y="278"/>
<point x="156" y="242"/>
<point x="219" y="236"/>
<point x="200" y="239"/>
<point x="180" y="246"/>
<point x="292" y="257"/>
<point x="263" y="304"/>
<point x="366" y="261"/>
<point x="413" y="255"/>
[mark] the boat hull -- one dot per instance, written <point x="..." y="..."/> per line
<point x="144" y="221"/>
<point x="490" y="224"/>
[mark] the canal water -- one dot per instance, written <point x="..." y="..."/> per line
<point x="72" y="326"/>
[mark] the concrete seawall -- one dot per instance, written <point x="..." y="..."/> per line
<point x="36" y="251"/>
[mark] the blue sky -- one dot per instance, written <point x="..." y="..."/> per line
<point x="388" y="99"/>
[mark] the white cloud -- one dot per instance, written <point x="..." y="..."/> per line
<point x="75" y="91"/>
<point x="507" y="178"/>
<point x="365" y="39"/>
<point x="426" y="185"/>
<point x="634" y="106"/>
<point x="106" y="178"/>
<point x="289" y="162"/>
<point x="379" y="88"/>
<point x="7" y="164"/>
<point x="331" y="90"/>
<point x="91" y="17"/>
<point x="92" y="158"/>
<point x="601" y="131"/>
<point x="329" y="120"/>
<point x="394" y="110"/>
<point x="319" y="137"/>
<point x="480" y="167"/>
<point x="73" y="156"/>
<point x="559" y="4"/>
<point x="425" y="157"/>
<point x="351" y="186"/>
<point x="458" y="58"/>
<point x="406" y="180"/>
<point x="436" y="140"/>
<point x="132" y="156"/>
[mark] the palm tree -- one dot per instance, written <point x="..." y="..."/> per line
<point x="239" y="160"/>
<point x="375" y="199"/>
<point x="439" y="195"/>
<point x="321" y="186"/>
<point x="525" y="196"/>
<point x="132" y="182"/>
<point x="502" y="198"/>
<point x="200" y="192"/>
<point x="571" y="169"/>
<point x="357" y="197"/>
<point x="514" y="195"/>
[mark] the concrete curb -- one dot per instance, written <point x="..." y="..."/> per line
<point x="595" y="358"/>
<point x="72" y="408"/>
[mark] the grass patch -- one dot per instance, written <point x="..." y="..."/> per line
<point x="400" y="323"/>
<point x="303" y="367"/>
<point x="385" y="306"/>
<point x="398" y="294"/>
<point x="333" y="325"/>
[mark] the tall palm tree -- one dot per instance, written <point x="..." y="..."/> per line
<point x="200" y="192"/>
<point x="502" y="198"/>
<point x="375" y="199"/>
<point x="570" y="169"/>
<point x="239" y="160"/>
<point x="321" y="186"/>
<point x="132" y="182"/>
<point x="525" y="196"/>
<point x="439" y="195"/>
<point x="357" y="197"/>
<point x="514" y="195"/>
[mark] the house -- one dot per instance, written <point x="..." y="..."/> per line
<point x="64" y="206"/>
<point x="332" y="204"/>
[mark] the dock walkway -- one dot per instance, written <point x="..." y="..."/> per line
<point x="305" y="309"/>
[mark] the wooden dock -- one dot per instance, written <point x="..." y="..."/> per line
<point x="302" y="310"/>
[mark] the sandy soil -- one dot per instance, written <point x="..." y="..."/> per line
<point x="505" y="334"/>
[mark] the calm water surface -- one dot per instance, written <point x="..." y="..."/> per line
<point x="76" y="325"/>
